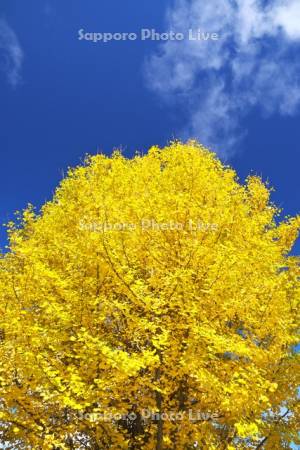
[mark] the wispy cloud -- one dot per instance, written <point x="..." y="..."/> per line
<point x="11" y="54"/>
<point x="253" y="64"/>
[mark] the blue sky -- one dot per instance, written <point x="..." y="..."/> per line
<point x="62" y="97"/>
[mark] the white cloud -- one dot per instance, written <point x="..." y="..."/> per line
<point x="286" y="15"/>
<point x="251" y="65"/>
<point x="11" y="54"/>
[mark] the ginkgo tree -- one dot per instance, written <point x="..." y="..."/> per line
<point x="152" y="304"/>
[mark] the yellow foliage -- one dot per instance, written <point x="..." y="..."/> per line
<point x="151" y="304"/>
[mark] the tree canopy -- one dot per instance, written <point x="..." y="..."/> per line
<point x="152" y="304"/>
